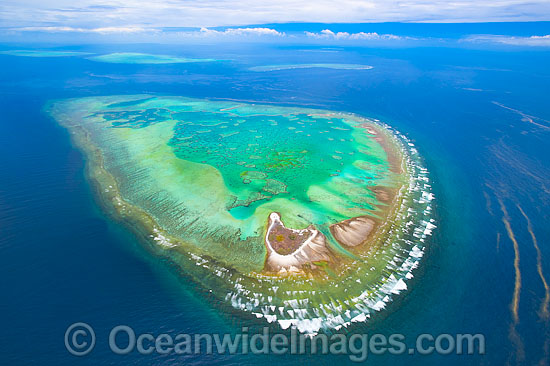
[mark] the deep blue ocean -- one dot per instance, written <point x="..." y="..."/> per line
<point x="480" y="117"/>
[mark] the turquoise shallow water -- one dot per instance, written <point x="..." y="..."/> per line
<point x="53" y="235"/>
<point x="178" y="170"/>
<point x="311" y="66"/>
<point x="145" y="58"/>
<point x="292" y="152"/>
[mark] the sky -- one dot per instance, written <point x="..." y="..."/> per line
<point x="172" y="20"/>
<point x="140" y="15"/>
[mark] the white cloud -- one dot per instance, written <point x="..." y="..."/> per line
<point x="204" y="32"/>
<point x="371" y="36"/>
<point x="91" y="14"/>
<point x="103" y="30"/>
<point x="533" y="41"/>
<point x="242" y="32"/>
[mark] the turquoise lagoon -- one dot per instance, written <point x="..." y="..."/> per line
<point x="145" y="58"/>
<point x="202" y="177"/>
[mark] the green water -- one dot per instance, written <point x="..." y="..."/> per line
<point x="239" y="162"/>
<point x="49" y="53"/>
<point x="209" y="173"/>
<point x="145" y="58"/>
<point x="262" y="157"/>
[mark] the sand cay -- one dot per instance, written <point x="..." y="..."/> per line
<point x="290" y="250"/>
<point x="353" y="232"/>
<point x="249" y="201"/>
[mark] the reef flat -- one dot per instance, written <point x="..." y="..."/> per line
<point x="310" y="66"/>
<point x="308" y="218"/>
<point x="145" y="58"/>
<point x="36" y="53"/>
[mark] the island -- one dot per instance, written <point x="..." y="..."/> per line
<point x="303" y="217"/>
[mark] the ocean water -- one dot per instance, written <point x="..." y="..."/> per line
<point x="480" y="119"/>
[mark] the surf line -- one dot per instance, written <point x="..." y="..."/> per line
<point x="514" y="336"/>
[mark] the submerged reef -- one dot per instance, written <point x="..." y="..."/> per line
<point x="265" y="68"/>
<point x="145" y="58"/>
<point x="47" y="53"/>
<point x="308" y="218"/>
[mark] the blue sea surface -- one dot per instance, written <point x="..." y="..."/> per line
<point x="480" y="118"/>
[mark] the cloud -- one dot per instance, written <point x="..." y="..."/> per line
<point x="242" y="32"/>
<point x="90" y="14"/>
<point x="103" y="30"/>
<point x="203" y="32"/>
<point x="532" y="41"/>
<point x="328" y="34"/>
